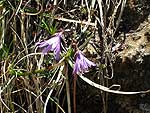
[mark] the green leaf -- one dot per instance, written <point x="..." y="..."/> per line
<point x="52" y="30"/>
<point x="45" y="26"/>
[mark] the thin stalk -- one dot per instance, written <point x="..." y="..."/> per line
<point x="39" y="106"/>
<point x="74" y="93"/>
<point x="14" y="34"/>
<point x="2" y="29"/>
<point x="23" y="36"/>
<point x="67" y="88"/>
<point x="102" y="80"/>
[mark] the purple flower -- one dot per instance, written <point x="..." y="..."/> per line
<point x="81" y="64"/>
<point x="53" y="44"/>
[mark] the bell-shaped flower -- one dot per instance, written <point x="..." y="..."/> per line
<point x="53" y="44"/>
<point x="82" y="64"/>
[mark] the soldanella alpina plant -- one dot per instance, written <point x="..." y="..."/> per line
<point x="81" y="65"/>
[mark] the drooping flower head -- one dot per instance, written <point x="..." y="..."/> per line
<point x="82" y="64"/>
<point x="53" y="44"/>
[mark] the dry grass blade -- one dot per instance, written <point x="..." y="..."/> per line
<point x="106" y="89"/>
